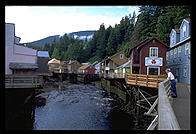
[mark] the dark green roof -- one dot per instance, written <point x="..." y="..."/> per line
<point x="14" y="65"/>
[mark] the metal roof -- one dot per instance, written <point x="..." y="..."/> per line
<point x="14" y="65"/>
<point x="54" y="61"/>
<point x="84" y="67"/>
<point x="43" y="54"/>
<point x="127" y="64"/>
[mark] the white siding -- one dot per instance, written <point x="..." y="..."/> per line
<point x="16" y="53"/>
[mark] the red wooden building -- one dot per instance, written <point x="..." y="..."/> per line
<point x="148" y="57"/>
<point x="86" y="69"/>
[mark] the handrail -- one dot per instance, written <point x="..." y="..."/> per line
<point x="166" y="117"/>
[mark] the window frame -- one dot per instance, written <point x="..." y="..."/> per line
<point x="175" y="52"/>
<point x="186" y="48"/>
<point x="177" y="71"/>
<point x="179" y="51"/>
<point x="121" y="56"/>
<point x="167" y="55"/>
<point x="171" y="53"/>
<point x="154" y="48"/>
<point x="173" y="40"/>
<point x="184" y="30"/>
<point x="185" y="71"/>
<point x="148" y="70"/>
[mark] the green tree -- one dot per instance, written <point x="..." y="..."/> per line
<point x="171" y="18"/>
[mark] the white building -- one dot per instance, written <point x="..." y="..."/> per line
<point x="97" y="68"/>
<point x="18" y="59"/>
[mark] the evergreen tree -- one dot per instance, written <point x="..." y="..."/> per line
<point x="172" y="18"/>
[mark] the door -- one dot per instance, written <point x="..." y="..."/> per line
<point x="153" y="70"/>
<point x="135" y="70"/>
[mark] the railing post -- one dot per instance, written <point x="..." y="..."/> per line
<point x="147" y="80"/>
<point x="12" y="81"/>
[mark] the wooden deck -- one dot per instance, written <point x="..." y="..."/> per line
<point x="12" y="81"/>
<point x="144" y="80"/>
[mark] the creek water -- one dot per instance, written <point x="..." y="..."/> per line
<point x="80" y="107"/>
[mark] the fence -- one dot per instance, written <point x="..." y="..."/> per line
<point x="12" y="81"/>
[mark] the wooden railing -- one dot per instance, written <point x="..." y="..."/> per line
<point x="114" y="75"/>
<point x="144" y="80"/>
<point x="166" y="117"/>
<point x="12" y="81"/>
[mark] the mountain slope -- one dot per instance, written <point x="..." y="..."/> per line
<point x="41" y="43"/>
<point x="81" y="35"/>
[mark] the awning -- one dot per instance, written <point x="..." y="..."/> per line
<point x="14" y="65"/>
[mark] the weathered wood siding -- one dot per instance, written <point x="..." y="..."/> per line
<point x="116" y="58"/>
<point x="144" y="52"/>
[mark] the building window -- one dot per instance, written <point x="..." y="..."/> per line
<point x="121" y="56"/>
<point x="179" y="51"/>
<point x="177" y="71"/>
<point x="186" y="49"/>
<point x="153" y="70"/>
<point x="175" y="52"/>
<point x="171" y="53"/>
<point x="185" y="72"/>
<point x="153" y="41"/>
<point x="167" y="54"/>
<point x="184" y="30"/>
<point x="173" y="37"/>
<point x="153" y="52"/>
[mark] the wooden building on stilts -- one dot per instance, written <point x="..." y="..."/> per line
<point x="147" y="70"/>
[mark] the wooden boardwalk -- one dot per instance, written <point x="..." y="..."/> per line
<point x="12" y="81"/>
<point x="144" y="80"/>
<point x="173" y="113"/>
<point x="166" y="117"/>
<point x="181" y="105"/>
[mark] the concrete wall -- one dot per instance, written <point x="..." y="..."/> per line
<point x="16" y="53"/>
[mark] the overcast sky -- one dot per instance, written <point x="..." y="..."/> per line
<point x="37" y="22"/>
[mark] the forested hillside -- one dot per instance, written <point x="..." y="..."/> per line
<point x="153" y="21"/>
<point x="41" y="43"/>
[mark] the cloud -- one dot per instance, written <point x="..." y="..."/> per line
<point x="34" y="23"/>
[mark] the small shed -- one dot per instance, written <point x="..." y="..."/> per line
<point x="54" y="65"/>
<point x="42" y="61"/>
<point x="73" y="66"/>
<point x="23" y="68"/>
<point x="86" y="69"/>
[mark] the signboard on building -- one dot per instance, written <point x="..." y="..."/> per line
<point x="107" y="68"/>
<point x="153" y="61"/>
